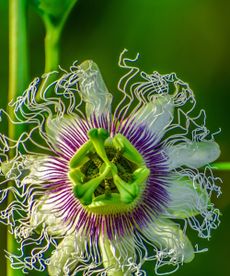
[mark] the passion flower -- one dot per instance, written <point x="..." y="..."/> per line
<point x="102" y="189"/>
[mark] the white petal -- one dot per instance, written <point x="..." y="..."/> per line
<point x="66" y="256"/>
<point x="194" y="155"/>
<point x="170" y="240"/>
<point x="93" y="89"/>
<point x="54" y="126"/>
<point x="186" y="198"/>
<point x="15" y="169"/>
<point x="29" y="169"/>
<point x="157" y="115"/>
<point x="117" y="255"/>
<point x="42" y="213"/>
<point x="35" y="169"/>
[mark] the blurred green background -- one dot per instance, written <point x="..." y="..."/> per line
<point x="189" y="37"/>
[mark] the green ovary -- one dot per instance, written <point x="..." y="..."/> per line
<point x="108" y="174"/>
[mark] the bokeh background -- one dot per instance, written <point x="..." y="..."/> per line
<point x="189" y="37"/>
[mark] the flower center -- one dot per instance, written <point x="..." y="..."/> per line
<point x="107" y="171"/>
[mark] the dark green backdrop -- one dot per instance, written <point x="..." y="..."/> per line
<point x="190" y="37"/>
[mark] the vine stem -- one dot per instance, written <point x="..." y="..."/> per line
<point x="18" y="80"/>
<point x="52" y="47"/>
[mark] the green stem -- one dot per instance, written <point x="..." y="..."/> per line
<point x="18" y="79"/>
<point x="18" y="52"/>
<point x="52" y="48"/>
<point x="222" y="166"/>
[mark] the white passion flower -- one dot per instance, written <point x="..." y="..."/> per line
<point x="99" y="189"/>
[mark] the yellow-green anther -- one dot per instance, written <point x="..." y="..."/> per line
<point x="140" y="175"/>
<point x="128" y="192"/>
<point x="128" y="150"/>
<point x="80" y="156"/>
<point x="84" y="192"/>
<point x="98" y="136"/>
<point x="76" y="176"/>
<point x="83" y="168"/>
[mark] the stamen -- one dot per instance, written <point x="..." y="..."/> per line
<point x="81" y="154"/>
<point x="107" y="169"/>
<point x="85" y="191"/>
<point x="129" y="152"/>
<point x="98" y="137"/>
